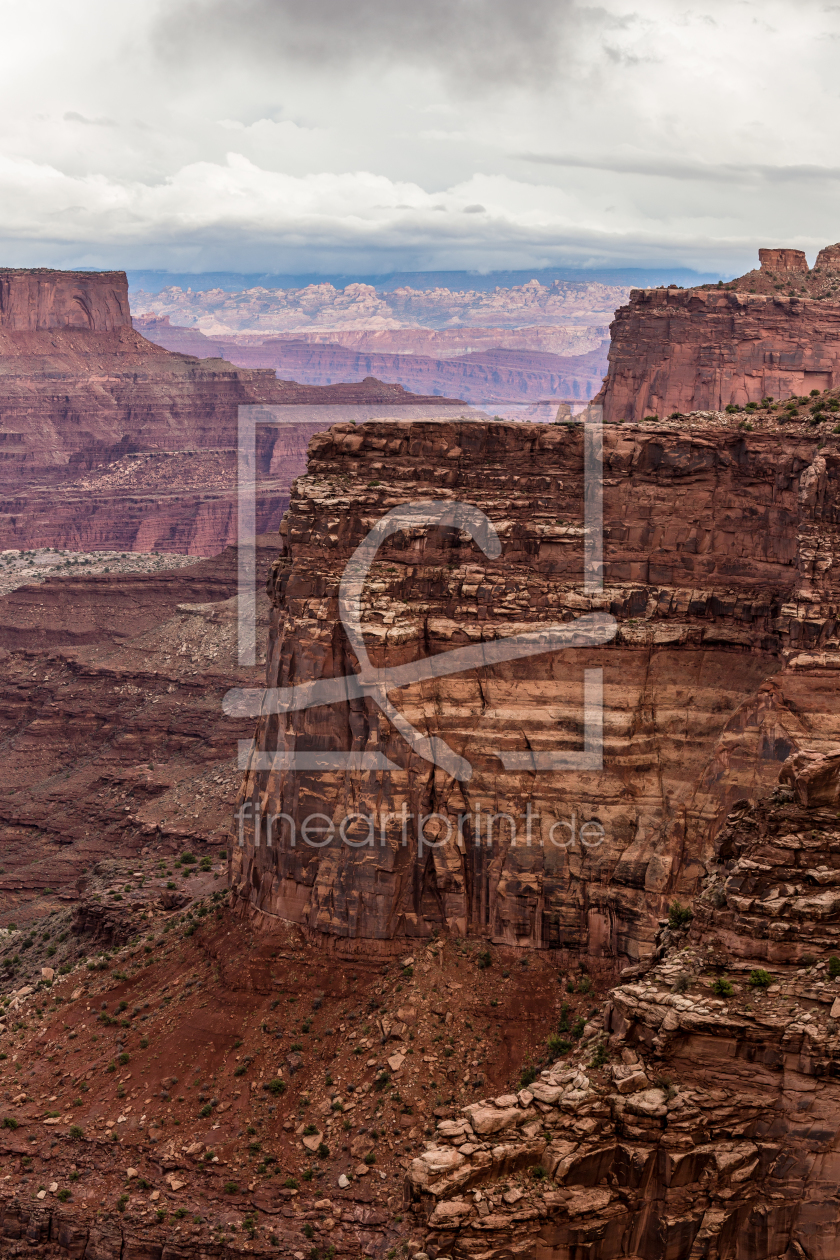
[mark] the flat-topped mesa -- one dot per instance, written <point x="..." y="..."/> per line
<point x="772" y="332"/>
<point x="773" y="260"/>
<point x="40" y="300"/>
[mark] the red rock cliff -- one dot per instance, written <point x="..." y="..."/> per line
<point x="719" y="558"/>
<point x="774" y="331"/>
<point x="36" y="300"/>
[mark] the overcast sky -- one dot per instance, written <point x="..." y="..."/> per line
<point x="374" y="135"/>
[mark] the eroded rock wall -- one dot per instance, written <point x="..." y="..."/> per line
<point x="774" y="332"/>
<point x="719" y="566"/>
<point x="40" y="299"/>
<point x="702" y="349"/>
<point x="698" y="1117"/>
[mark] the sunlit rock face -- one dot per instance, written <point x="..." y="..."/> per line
<point x="718" y="567"/>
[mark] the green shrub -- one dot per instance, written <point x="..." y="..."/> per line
<point x="484" y="960"/>
<point x="834" y="966"/>
<point x="63" y="1195"/>
<point x="679" y="916"/>
<point x="370" y="1158"/>
<point x="527" y="1076"/>
<point x="722" y="987"/>
<point x="231" y="1187"/>
<point x="760" y="979"/>
<point x="558" y="1045"/>
<point x="600" y="1056"/>
<point x="9" y="1122"/>
<point x="122" y="1202"/>
<point x="731" y="408"/>
<point x="75" y="1131"/>
<point x="275" y="1086"/>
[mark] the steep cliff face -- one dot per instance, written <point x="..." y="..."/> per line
<point x="702" y="349"/>
<point x="700" y="1116"/>
<point x="719" y="566"/>
<point x="37" y="300"/>
<point x="773" y="332"/>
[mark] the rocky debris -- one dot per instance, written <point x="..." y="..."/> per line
<point x="22" y="568"/>
<point x="153" y="1077"/>
<point x="724" y="629"/>
<point x="768" y="333"/>
<point x="709" y="1107"/>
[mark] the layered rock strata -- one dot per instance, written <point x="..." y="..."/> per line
<point x="111" y="725"/>
<point x="773" y="332"/>
<point x="719" y="567"/>
<point x="701" y="1119"/>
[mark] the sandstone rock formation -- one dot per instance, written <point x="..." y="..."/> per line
<point x="702" y="1119"/>
<point x="80" y="389"/>
<point x="719" y="566"/>
<point x="773" y="332"/>
<point x="40" y="300"/>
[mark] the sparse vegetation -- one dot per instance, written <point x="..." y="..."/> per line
<point x="679" y="916"/>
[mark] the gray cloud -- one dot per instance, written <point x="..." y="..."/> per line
<point x="667" y="168"/>
<point x="73" y="116"/>
<point x="475" y="44"/>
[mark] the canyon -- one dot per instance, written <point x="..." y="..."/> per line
<point x="427" y="992"/>
<point x="772" y="332"/>
<point x="98" y="425"/>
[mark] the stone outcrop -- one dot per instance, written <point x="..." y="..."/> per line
<point x="80" y="390"/>
<point x="773" y="332"/>
<point x="701" y="1118"/>
<point x="719" y="568"/>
